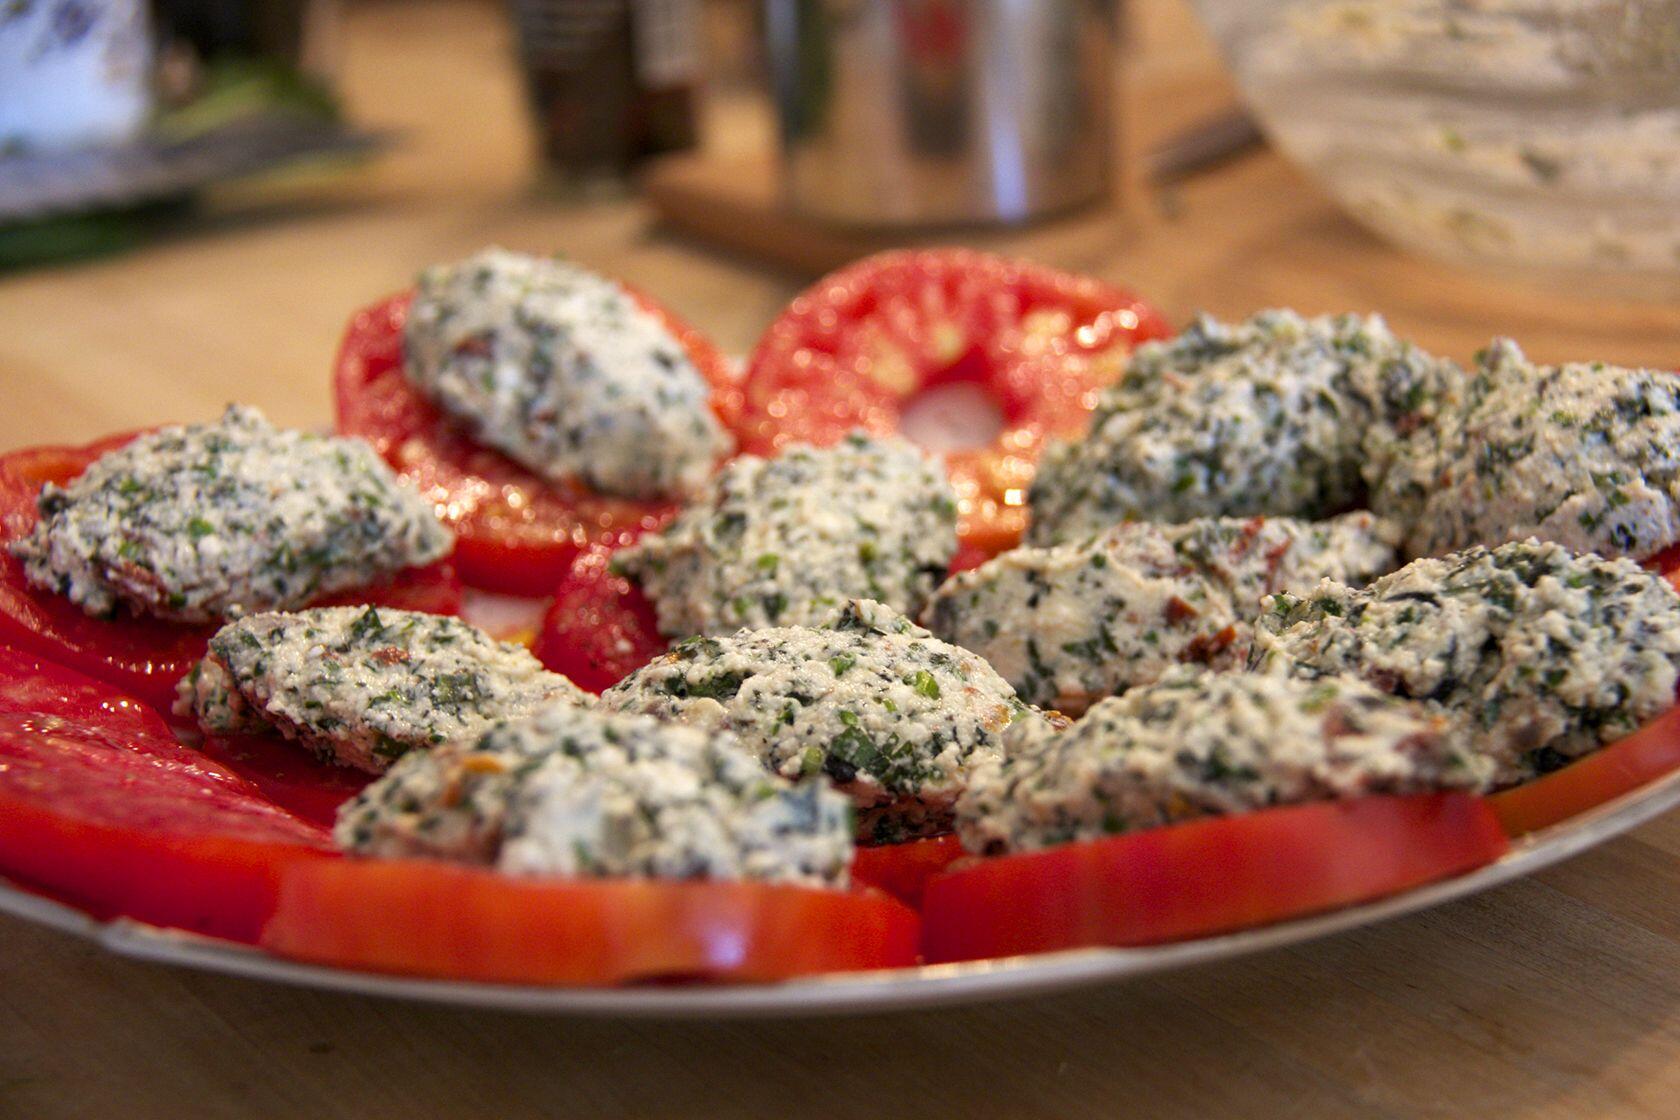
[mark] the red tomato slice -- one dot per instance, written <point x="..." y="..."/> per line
<point x="1620" y="767"/>
<point x="99" y="806"/>
<point x="1667" y="561"/>
<point x="436" y="919"/>
<point x="968" y="556"/>
<point x="853" y="349"/>
<point x="433" y="589"/>
<point x="32" y="685"/>
<point x="1206" y="876"/>
<point x="287" y="774"/>
<point x="517" y="532"/>
<point x="902" y="870"/>
<point x="142" y="656"/>
<point x="601" y="628"/>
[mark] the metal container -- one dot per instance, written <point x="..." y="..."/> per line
<point x="930" y="112"/>
<point x="611" y="82"/>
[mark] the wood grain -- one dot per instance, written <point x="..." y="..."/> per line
<point x="1558" y="997"/>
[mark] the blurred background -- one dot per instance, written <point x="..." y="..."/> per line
<point x="245" y="174"/>
<point x="1536" y="134"/>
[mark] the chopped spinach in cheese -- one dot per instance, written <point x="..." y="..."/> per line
<point x="573" y="792"/>
<point x="1199" y="744"/>
<point x="1546" y="653"/>
<point x="784" y="541"/>
<point x="893" y="715"/>
<point x="203" y="522"/>
<point x="563" y="371"/>
<point x="1276" y="415"/>
<point x="1070" y="624"/>
<point x="362" y="686"/>
<point x="1587" y="455"/>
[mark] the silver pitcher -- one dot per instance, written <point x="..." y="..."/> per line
<point x="928" y="112"/>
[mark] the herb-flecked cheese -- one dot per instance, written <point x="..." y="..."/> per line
<point x="1585" y="454"/>
<point x="1069" y="624"/>
<point x="203" y="522"/>
<point x="563" y="371"/>
<point x="1276" y="415"/>
<point x="1545" y="653"/>
<point x="784" y="541"/>
<point x="893" y="715"/>
<point x="577" y="793"/>
<point x="362" y="686"/>
<point x="1199" y="744"/>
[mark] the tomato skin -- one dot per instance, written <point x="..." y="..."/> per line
<point x="600" y="628"/>
<point x="219" y="886"/>
<point x="139" y="655"/>
<point x="1607" y="773"/>
<point x="853" y="349"/>
<point x="427" y="918"/>
<point x="516" y="531"/>
<point x="1206" y="876"/>
<point x="100" y="806"/>
<point x="903" y="870"/>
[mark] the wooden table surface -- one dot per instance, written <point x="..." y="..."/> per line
<point x="1555" y="997"/>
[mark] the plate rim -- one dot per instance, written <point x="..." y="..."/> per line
<point x="917" y="988"/>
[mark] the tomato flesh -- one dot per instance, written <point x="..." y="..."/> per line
<point x="856" y="347"/>
<point x="600" y="628"/>
<point x="428" y="918"/>
<point x="433" y="589"/>
<point x="903" y="870"/>
<point x="139" y="655"/>
<point x="1667" y="561"/>
<point x="968" y="556"/>
<point x="1607" y="773"/>
<point x="32" y="685"/>
<point x="1205" y="877"/>
<point x="287" y="774"/>
<point x="516" y="531"/>
<point x="101" y="807"/>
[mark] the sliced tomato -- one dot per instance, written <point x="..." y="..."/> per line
<point x="1607" y="773"/>
<point x="902" y="870"/>
<point x="101" y="807"/>
<point x="1206" y="876"/>
<point x="287" y="775"/>
<point x="600" y="628"/>
<point x="968" y="556"/>
<point x="517" y="532"/>
<point x="1667" y="561"/>
<point x="142" y="656"/>
<point x="435" y="919"/>
<point x="32" y="685"/>
<point x="433" y="589"/>
<point x="854" y="349"/>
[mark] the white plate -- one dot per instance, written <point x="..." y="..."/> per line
<point x="854" y="992"/>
